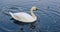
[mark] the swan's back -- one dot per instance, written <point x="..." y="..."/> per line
<point x="22" y="16"/>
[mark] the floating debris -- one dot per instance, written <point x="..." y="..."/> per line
<point x="21" y="29"/>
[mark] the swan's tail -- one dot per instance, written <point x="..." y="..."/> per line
<point x="11" y="13"/>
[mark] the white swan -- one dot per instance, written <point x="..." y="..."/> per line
<point x="25" y="17"/>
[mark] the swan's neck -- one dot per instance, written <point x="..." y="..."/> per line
<point x="33" y="15"/>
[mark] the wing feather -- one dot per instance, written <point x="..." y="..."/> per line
<point x="23" y="17"/>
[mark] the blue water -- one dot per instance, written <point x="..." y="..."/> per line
<point x="48" y="16"/>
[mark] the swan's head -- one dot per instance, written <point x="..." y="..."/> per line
<point x="34" y="8"/>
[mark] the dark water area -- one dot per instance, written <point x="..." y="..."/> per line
<point x="48" y="16"/>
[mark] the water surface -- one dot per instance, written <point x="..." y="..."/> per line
<point x="48" y="16"/>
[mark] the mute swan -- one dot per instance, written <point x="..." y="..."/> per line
<point x="25" y="17"/>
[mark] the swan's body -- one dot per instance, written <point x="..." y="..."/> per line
<point x="24" y="17"/>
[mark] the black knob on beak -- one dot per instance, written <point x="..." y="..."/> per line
<point x="36" y="9"/>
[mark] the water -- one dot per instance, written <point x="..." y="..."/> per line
<point x="48" y="16"/>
